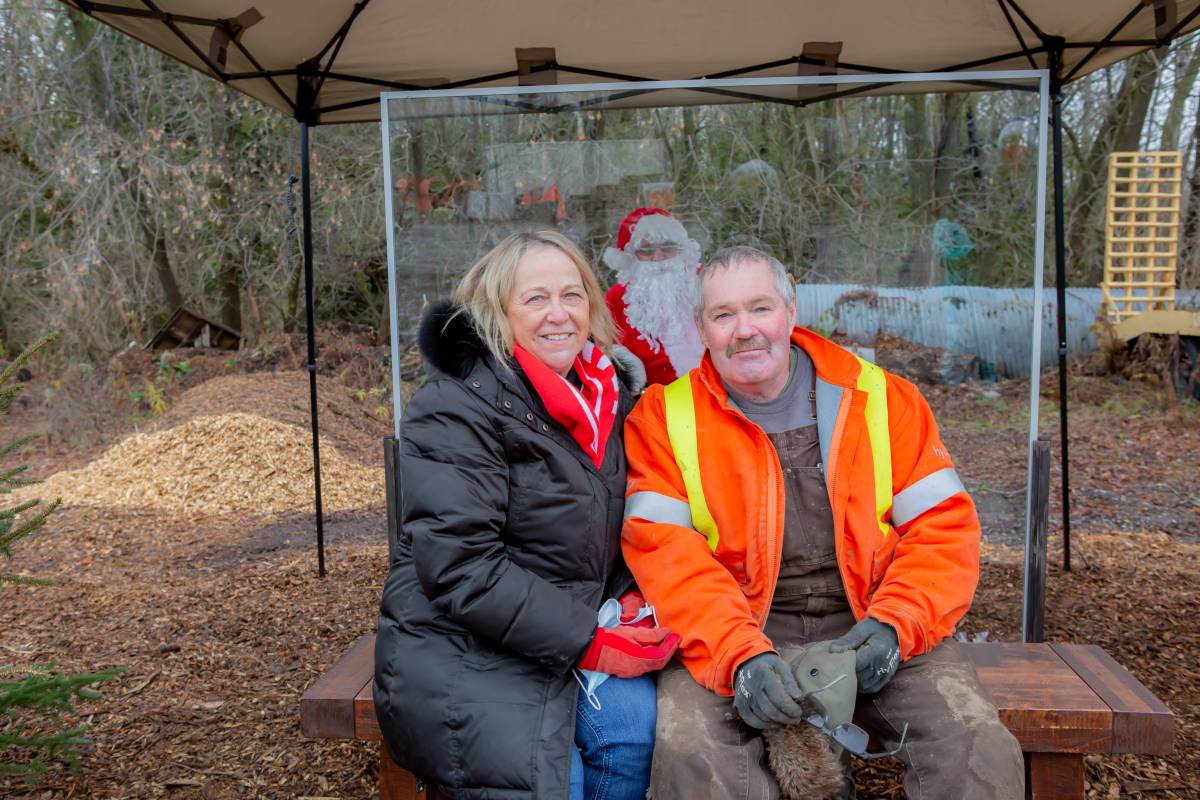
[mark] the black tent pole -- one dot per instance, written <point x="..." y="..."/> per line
<point x="311" y="323"/>
<point x="1060" y="281"/>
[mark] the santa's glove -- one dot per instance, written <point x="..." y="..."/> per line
<point x="765" y="692"/>
<point x="876" y="653"/>
<point x="628" y="652"/>
<point x="632" y="602"/>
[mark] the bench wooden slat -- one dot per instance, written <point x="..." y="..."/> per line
<point x="1141" y="722"/>
<point x="327" y="708"/>
<point x="1040" y="698"/>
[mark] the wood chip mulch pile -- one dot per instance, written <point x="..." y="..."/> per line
<point x="216" y="465"/>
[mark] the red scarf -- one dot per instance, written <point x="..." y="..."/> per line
<point x="588" y="415"/>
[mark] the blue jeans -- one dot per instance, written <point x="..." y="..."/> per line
<point x="614" y="745"/>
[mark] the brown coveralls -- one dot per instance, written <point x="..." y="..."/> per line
<point x="956" y="746"/>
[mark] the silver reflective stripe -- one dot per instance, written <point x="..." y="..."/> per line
<point x="829" y="398"/>
<point x="656" y="507"/>
<point x="924" y="495"/>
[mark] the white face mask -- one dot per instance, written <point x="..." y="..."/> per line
<point x="609" y="616"/>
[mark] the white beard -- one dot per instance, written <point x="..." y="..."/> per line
<point x="660" y="299"/>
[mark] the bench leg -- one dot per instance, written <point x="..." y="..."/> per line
<point x="396" y="783"/>
<point x="1055" y="776"/>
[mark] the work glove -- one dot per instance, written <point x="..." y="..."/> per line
<point x="765" y="692"/>
<point x="628" y="652"/>
<point x="876" y="653"/>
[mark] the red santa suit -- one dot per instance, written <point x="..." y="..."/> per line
<point x="653" y="300"/>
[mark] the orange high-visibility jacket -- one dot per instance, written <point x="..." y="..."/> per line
<point x="919" y="576"/>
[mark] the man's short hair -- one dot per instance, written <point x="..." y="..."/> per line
<point x="737" y="255"/>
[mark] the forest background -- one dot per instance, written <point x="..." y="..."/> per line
<point x="132" y="185"/>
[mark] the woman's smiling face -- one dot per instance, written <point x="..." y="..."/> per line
<point x="548" y="308"/>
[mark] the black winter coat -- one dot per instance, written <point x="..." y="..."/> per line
<point x="510" y="542"/>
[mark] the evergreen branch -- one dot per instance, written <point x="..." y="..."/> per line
<point x="7" y="394"/>
<point x="26" y="527"/>
<point x="51" y="692"/>
<point x="11" y="477"/>
<point x="16" y="444"/>
<point x="11" y="513"/>
<point x="12" y="368"/>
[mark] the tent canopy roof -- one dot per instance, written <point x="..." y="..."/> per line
<point x="326" y="61"/>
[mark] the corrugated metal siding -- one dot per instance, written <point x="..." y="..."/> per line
<point x="993" y="324"/>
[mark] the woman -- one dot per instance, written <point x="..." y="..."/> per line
<point x="513" y="477"/>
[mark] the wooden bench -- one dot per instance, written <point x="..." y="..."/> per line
<point x="1060" y="701"/>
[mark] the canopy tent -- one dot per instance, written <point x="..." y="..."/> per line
<point x="326" y="62"/>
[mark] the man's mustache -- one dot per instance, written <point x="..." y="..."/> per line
<point x="753" y="343"/>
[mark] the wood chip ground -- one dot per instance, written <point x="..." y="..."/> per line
<point x="212" y="603"/>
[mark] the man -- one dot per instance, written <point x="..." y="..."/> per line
<point x="786" y="492"/>
<point x="655" y="261"/>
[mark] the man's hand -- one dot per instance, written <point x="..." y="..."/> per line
<point x="765" y="692"/>
<point x="876" y="653"/>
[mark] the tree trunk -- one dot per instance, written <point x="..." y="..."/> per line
<point x="229" y="270"/>
<point x="1120" y="129"/>
<point x="156" y="244"/>
<point x="1189" y="255"/>
<point x="153" y="239"/>
<point x="828" y="262"/>
<point x="1186" y="67"/>
<point x="920" y="186"/>
<point x="949" y="147"/>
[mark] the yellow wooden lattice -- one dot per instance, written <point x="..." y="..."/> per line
<point x="1141" y="242"/>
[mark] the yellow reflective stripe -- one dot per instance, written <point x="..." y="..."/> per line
<point x="872" y="381"/>
<point x="680" y="409"/>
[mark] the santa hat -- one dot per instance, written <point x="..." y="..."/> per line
<point x="653" y="225"/>
<point x="625" y="233"/>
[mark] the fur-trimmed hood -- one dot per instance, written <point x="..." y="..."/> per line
<point x="448" y="340"/>
<point x="450" y="344"/>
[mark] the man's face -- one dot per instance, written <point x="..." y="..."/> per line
<point x="747" y="328"/>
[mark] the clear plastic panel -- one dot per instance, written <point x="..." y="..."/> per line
<point x="909" y="219"/>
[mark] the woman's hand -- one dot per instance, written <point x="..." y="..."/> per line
<point x="629" y="652"/>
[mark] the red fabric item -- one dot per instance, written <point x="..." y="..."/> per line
<point x="631" y="602"/>
<point x="629" y="652"/>
<point x="658" y="365"/>
<point x="631" y="220"/>
<point x="588" y="415"/>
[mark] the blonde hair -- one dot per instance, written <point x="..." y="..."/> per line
<point x="484" y="291"/>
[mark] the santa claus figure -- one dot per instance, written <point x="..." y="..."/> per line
<point x="654" y="299"/>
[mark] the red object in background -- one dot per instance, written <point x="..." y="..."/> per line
<point x="548" y="194"/>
